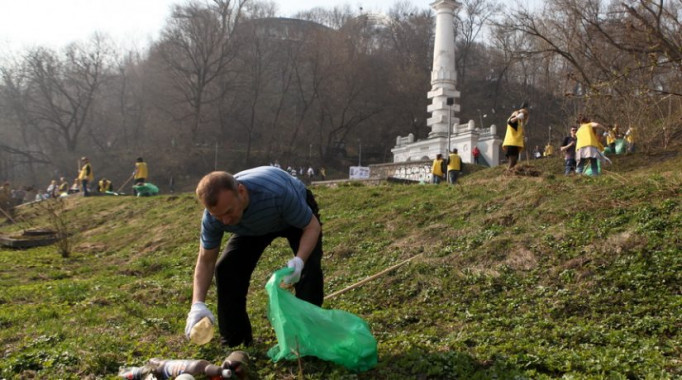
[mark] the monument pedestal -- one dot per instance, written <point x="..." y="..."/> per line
<point x="463" y="138"/>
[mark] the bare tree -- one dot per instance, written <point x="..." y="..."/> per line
<point x="119" y="115"/>
<point x="474" y="15"/>
<point x="408" y="51"/>
<point x="252" y="84"/>
<point x="19" y="128"/>
<point x="197" y="48"/>
<point x="351" y="95"/>
<point x="61" y="92"/>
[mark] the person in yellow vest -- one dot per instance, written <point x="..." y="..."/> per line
<point x="437" y="169"/>
<point x="454" y="166"/>
<point x="141" y="172"/>
<point x="85" y="176"/>
<point x="104" y="185"/>
<point x="513" y="139"/>
<point x="63" y="186"/>
<point x="588" y="147"/>
<point x="630" y="139"/>
<point x="611" y="135"/>
<point x="549" y="150"/>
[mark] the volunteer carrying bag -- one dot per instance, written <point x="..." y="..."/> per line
<point x="303" y="329"/>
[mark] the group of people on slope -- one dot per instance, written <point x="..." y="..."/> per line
<point x="25" y="194"/>
<point x="83" y="183"/>
<point x="584" y="145"/>
<point x="446" y="169"/>
<point x="580" y="148"/>
<point x="309" y="174"/>
<point x="547" y="151"/>
<point x="86" y="178"/>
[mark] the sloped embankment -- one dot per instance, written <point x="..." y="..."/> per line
<point x="537" y="276"/>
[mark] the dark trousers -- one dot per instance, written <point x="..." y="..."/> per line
<point x="452" y="176"/>
<point x="233" y="276"/>
<point x="570" y="166"/>
<point x="513" y="155"/>
<point x="84" y="184"/>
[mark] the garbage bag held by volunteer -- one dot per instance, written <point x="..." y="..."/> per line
<point x="303" y="329"/>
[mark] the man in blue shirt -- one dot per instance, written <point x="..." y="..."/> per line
<point x="256" y="206"/>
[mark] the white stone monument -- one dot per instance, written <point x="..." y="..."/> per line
<point x="446" y="132"/>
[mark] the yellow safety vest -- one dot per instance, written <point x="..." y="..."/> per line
<point x="104" y="186"/>
<point x="630" y="138"/>
<point x="455" y="163"/>
<point x="549" y="150"/>
<point x="141" y="170"/>
<point x="514" y="137"/>
<point x="436" y="168"/>
<point x="610" y="137"/>
<point x="586" y="137"/>
<point x="84" y="173"/>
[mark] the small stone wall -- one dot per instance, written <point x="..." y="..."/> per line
<point x="415" y="171"/>
<point x="410" y="170"/>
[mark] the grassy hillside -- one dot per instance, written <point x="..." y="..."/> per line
<point x="520" y="276"/>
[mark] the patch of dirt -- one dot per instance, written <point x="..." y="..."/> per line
<point x="580" y="265"/>
<point x="341" y="252"/>
<point x="505" y="219"/>
<point x="574" y="263"/>
<point x="521" y="259"/>
<point x="524" y="170"/>
<point x="484" y="268"/>
<point x="91" y="247"/>
<point x="617" y="244"/>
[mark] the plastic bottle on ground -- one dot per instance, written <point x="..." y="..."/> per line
<point x="238" y="362"/>
<point x="169" y="369"/>
<point x="134" y="373"/>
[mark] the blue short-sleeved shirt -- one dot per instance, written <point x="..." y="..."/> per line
<point x="277" y="201"/>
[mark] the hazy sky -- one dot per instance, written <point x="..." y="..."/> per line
<point x="132" y="23"/>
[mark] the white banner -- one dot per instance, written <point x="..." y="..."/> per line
<point x="358" y="172"/>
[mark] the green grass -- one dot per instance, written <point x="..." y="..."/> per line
<point x="520" y="277"/>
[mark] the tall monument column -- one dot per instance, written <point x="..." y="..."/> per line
<point x="446" y="130"/>
<point x="443" y="74"/>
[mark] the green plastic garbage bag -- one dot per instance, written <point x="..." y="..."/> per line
<point x="301" y="327"/>
<point x="587" y="169"/>
<point x="146" y="189"/>
<point x="620" y="146"/>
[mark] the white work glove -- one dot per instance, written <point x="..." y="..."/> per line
<point x="197" y="313"/>
<point x="297" y="264"/>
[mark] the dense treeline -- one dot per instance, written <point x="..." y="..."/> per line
<point x="230" y="85"/>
